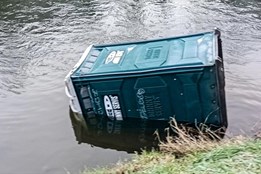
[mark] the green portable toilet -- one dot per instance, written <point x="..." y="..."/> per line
<point x="180" y="77"/>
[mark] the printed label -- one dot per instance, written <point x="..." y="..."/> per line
<point x="96" y="100"/>
<point x="149" y="104"/>
<point x="108" y="107"/>
<point x="112" y="107"/>
<point x="114" y="57"/>
<point x="141" y="103"/>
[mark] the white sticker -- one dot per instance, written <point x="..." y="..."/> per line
<point x="110" y="57"/>
<point x="130" y="49"/>
<point x="114" y="57"/>
<point x="108" y="107"/>
<point x="112" y="107"/>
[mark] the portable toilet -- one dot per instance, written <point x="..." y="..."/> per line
<point x="180" y="77"/>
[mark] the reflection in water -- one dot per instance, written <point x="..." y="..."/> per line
<point x="129" y="135"/>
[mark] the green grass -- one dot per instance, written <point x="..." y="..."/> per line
<point x="237" y="157"/>
<point x="200" y="153"/>
<point x="244" y="158"/>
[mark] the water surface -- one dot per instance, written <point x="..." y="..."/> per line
<point x="40" y="41"/>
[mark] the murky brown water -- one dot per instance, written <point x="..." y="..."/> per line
<point x="41" y="40"/>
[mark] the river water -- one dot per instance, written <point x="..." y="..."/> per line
<point x="41" y="40"/>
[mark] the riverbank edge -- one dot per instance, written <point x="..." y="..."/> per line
<point x="240" y="156"/>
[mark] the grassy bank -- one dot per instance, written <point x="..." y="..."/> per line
<point x="243" y="157"/>
<point x="195" y="154"/>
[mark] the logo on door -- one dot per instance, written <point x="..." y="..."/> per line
<point x="112" y="107"/>
<point x="114" y="57"/>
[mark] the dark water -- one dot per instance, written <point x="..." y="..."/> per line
<point x="41" y="40"/>
<point x="131" y="135"/>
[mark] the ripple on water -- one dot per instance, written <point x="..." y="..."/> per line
<point x="40" y="41"/>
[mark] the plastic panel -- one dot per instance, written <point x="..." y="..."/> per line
<point x="196" y="50"/>
<point x="178" y="77"/>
